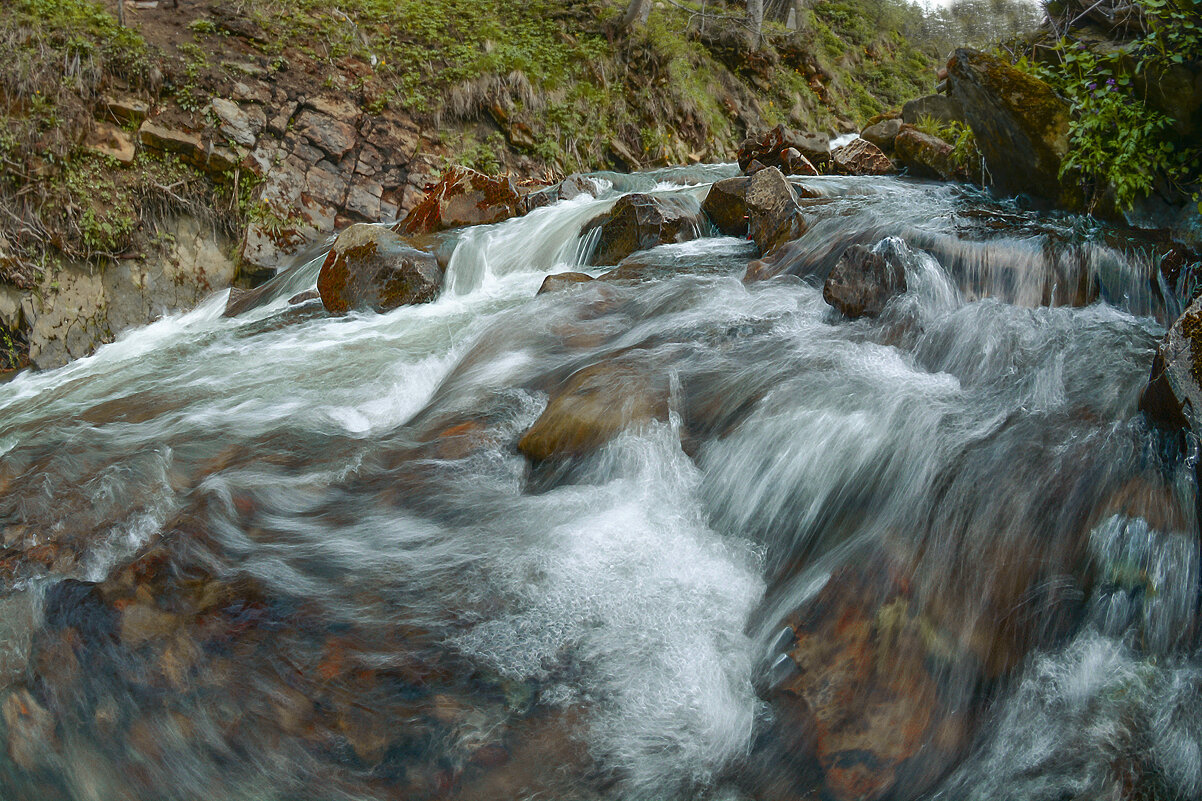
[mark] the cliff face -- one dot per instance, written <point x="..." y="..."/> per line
<point x="265" y="127"/>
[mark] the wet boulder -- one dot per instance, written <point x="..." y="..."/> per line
<point x="878" y="692"/>
<point x="767" y="148"/>
<point x="793" y="163"/>
<point x="726" y="205"/>
<point x="861" y="157"/>
<point x="882" y="133"/>
<point x="561" y="281"/>
<point x="939" y="108"/>
<point x="640" y="222"/>
<point x="370" y="267"/>
<point x="462" y="197"/>
<point x="927" y="156"/>
<point x="593" y="406"/>
<point x="863" y="280"/>
<point x="1173" y="397"/>
<point x="1020" y="125"/>
<point x="773" y="214"/>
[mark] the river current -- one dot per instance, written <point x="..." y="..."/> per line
<point x="291" y="556"/>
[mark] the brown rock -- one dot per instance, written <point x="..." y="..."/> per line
<point x="331" y="136"/>
<point x="870" y="678"/>
<point x="370" y="267"/>
<point x="592" y="407"/>
<point x="753" y="167"/>
<point x="168" y="140"/>
<point x="861" y="157"/>
<point x="109" y="140"/>
<point x="927" y="156"/>
<point x="127" y="110"/>
<point x="143" y="622"/>
<point x="1020" y="125"/>
<point x="793" y="163"/>
<point x="767" y="147"/>
<point x="559" y="281"/>
<point x="773" y="215"/>
<point x="863" y="280"/>
<point x="726" y="205"/>
<point x="463" y="197"/>
<point x="640" y="222"/>
<point x="31" y="739"/>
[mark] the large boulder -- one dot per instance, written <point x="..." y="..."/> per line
<point x="463" y="197"/>
<point x="640" y="222"/>
<point x="1173" y="397"/>
<point x="927" y="156"/>
<point x="882" y="133"/>
<point x="767" y="147"/>
<point x="593" y="406"/>
<point x="773" y="214"/>
<point x="371" y="267"/>
<point x="1020" y="125"/>
<point x="861" y="157"/>
<point x="726" y="205"/>
<point x="939" y="108"/>
<point x="863" y="280"/>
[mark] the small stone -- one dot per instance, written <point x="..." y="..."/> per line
<point x="560" y="281"/>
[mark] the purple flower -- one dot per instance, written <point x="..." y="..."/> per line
<point x="1111" y="83"/>
<point x="1093" y="86"/>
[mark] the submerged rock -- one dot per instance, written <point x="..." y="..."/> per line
<point x="1173" y="397"/>
<point x="1020" y="125"/>
<point x="370" y="267"/>
<point x="861" y="157"/>
<point x="463" y="196"/>
<point x="863" y="280"/>
<point x="867" y="678"/>
<point x="593" y="406"/>
<point x="640" y="222"/>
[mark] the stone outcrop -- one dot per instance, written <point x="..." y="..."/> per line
<point x="70" y="316"/>
<point x="927" y="156"/>
<point x="767" y="148"/>
<point x="463" y="197"/>
<point x="640" y="222"/>
<point x="861" y="157"/>
<point x="863" y="280"/>
<point x="1020" y="125"/>
<point x="371" y="267"/>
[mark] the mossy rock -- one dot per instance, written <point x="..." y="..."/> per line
<point x="1021" y="126"/>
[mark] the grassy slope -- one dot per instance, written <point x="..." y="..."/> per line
<point x="565" y="84"/>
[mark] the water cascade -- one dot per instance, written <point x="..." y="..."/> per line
<point x="934" y="554"/>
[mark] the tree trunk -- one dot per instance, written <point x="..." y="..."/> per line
<point x="755" y="21"/>
<point x="637" y="11"/>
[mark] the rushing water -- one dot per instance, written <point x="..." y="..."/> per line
<point x="294" y="556"/>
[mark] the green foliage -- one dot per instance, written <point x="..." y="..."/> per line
<point x="964" y="145"/>
<point x="1119" y="142"/>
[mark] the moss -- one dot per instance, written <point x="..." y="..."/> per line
<point x="1191" y="326"/>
